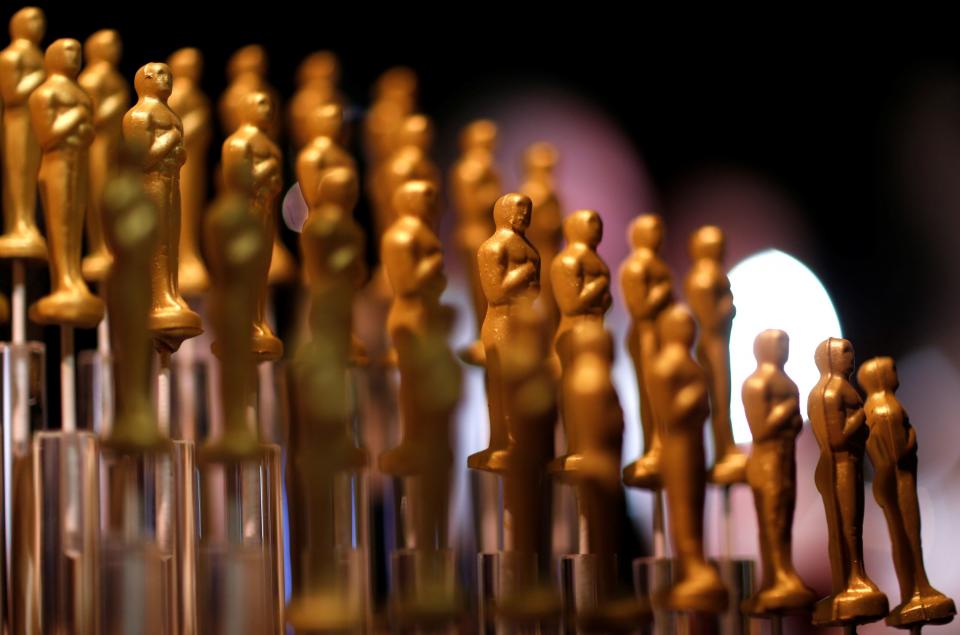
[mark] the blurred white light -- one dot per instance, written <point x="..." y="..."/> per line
<point x="773" y="290"/>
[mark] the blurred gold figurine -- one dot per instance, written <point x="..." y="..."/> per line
<point x="510" y="273"/>
<point x="247" y="73"/>
<point x="110" y="95"/>
<point x="579" y="276"/>
<point x="678" y="390"/>
<point x="21" y="72"/>
<point x="409" y="160"/>
<point x="892" y="446"/>
<point x="317" y="78"/>
<point x="62" y="117"/>
<point x="708" y="291"/>
<point x="153" y="127"/>
<point x="475" y="186"/>
<point x="546" y="227"/>
<point x="252" y="167"/>
<point x="836" y="415"/>
<point x="647" y="286"/>
<point x="193" y="108"/>
<point x="394" y="98"/>
<point x="323" y="150"/>
<point x="772" y="404"/>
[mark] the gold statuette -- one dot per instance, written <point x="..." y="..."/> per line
<point x="892" y="446"/>
<point x="394" y="98"/>
<point x="317" y="78"/>
<point x="236" y="245"/>
<point x="247" y="73"/>
<point x="836" y="415"/>
<point x="580" y="278"/>
<point x="111" y="97"/>
<point x="21" y="72"/>
<point x="324" y="126"/>
<point x="252" y="168"/>
<point x="647" y="291"/>
<point x="193" y="108"/>
<point x="155" y="129"/>
<point x="475" y="186"/>
<point x="410" y="160"/>
<point x="677" y="387"/>
<point x="546" y="228"/>
<point x="509" y="269"/>
<point x="772" y="404"/>
<point x="130" y="230"/>
<point x="708" y="291"/>
<point x="62" y="117"/>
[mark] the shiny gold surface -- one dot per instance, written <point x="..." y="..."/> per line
<point x="252" y="168"/>
<point x="111" y="97"/>
<point x="324" y="127"/>
<point x="707" y="289"/>
<point x="546" y="227"/>
<point x="246" y="74"/>
<point x="21" y="72"/>
<point x="409" y="160"/>
<point x="193" y="108"/>
<point x="475" y="187"/>
<point x="317" y="78"/>
<point x="394" y="98"/>
<point x="647" y="286"/>
<point x="62" y="117"/>
<point x="236" y="245"/>
<point x="772" y="404"/>
<point x="836" y="416"/>
<point x="677" y="388"/>
<point x="153" y="126"/>
<point x="892" y="446"/>
<point x="509" y="269"/>
<point x="130" y="230"/>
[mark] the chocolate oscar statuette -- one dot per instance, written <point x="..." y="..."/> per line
<point x="475" y="186"/>
<point x="321" y="443"/>
<point x="236" y="245"/>
<point x="394" y="98"/>
<point x="772" y="404"/>
<point x="579" y="277"/>
<point x="892" y="446"/>
<point x="130" y="231"/>
<point x="647" y="286"/>
<point x="317" y="78"/>
<point x="110" y="95"/>
<point x="153" y="126"/>
<point x="707" y="289"/>
<point x="509" y="269"/>
<point x="252" y="168"/>
<point x="677" y="388"/>
<point x="21" y="72"/>
<point x="836" y="416"/>
<point x="323" y="150"/>
<point x="546" y="228"/>
<point x="62" y="117"/>
<point x="409" y="160"/>
<point x="593" y="421"/>
<point x="193" y="108"/>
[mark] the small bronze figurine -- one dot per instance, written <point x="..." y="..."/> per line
<point x="322" y="151"/>
<point x="317" y="78"/>
<point x="892" y="446"/>
<point x="546" y="227"/>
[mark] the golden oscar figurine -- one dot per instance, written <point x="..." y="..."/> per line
<point x="546" y="228"/>
<point x="707" y="289"/>
<point x="155" y="129"/>
<point x="892" y="446"/>
<point x="317" y="78"/>
<point x="321" y="446"/>
<point x="247" y="73"/>
<point x="394" y="98"/>
<point x="579" y="277"/>
<point x="193" y="108"/>
<point x="475" y="187"/>
<point x="772" y="404"/>
<point x="836" y="416"/>
<point x="322" y="151"/>
<point x="409" y="160"/>
<point x="62" y="117"/>
<point x="647" y="286"/>
<point x="111" y="97"/>
<point x="509" y="269"/>
<point x="21" y="72"/>
<point x="252" y="167"/>
<point x="677" y="387"/>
